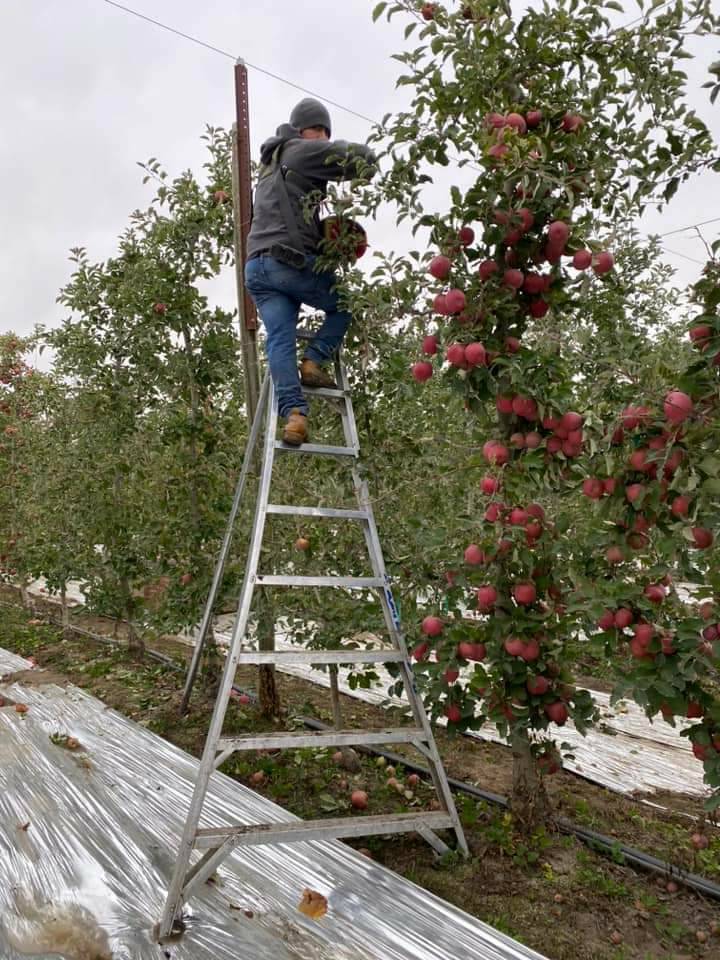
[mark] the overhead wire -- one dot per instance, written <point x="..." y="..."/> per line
<point x="350" y="110"/>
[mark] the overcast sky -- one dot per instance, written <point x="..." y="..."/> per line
<point x="86" y="90"/>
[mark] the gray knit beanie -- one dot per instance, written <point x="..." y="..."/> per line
<point x="310" y="113"/>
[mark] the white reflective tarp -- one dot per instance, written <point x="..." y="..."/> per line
<point x="88" y="839"/>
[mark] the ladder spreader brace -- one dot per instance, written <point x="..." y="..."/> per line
<point x="217" y="843"/>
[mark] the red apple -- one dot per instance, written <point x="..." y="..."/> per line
<point x="518" y="517"/>
<point x="700" y="335"/>
<point x="453" y="713"/>
<point x="455" y="301"/>
<point x="471" y="651"/>
<point x="607" y="620"/>
<point x="421" y="371"/>
<point x="160" y="308"/>
<point x="486" y="596"/>
<point x="623" y="618"/>
<point x="614" y="555"/>
<point x="359" y="799"/>
<point x="475" y="355"/>
<point x="513" y="279"/>
<point x="677" y="406"/>
<point x="603" y="263"/>
<point x="535" y="510"/>
<point x="643" y="633"/>
<point x="185" y="579"/>
<point x="516" y="121"/>
<point x="474" y="556"/>
<point x="487" y="268"/>
<point x="439" y="305"/>
<point x="582" y="259"/>
<point x="430" y="345"/>
<point x="496" y="453"/>
<point x="514" y="646"/>
<point x="538" y="686"/>
<point x="655" y="592"/>
<point x="456" y="355"/>
<point x="421" y="651"/>
<point x="593" y="488"/>
<point x="703" y="538"/>
<point x="572" y="122"/>
<point x="680" y="506"/>
<point x="450" y="676"/>
<point x="558" y="233"/>
<point x="557" y="712"/>
<point x="489" y="485"/>
<point x="427" y="12"/>
<point x="432" y="626"/>
<point x="530" y="651"/>
<point x="634" y="491"/>
<point x="525" y="593"/>
<point x="466" y="235"/>
<point x="533" y="118"/>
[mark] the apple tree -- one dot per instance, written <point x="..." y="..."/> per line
<point x="567" y="128"/>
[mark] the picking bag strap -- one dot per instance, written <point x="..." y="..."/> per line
<point x="281" y="173"/>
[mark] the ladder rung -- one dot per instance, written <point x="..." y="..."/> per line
<point x="322" y="738"/>
<point x="265" y="580"/>
<point x="341" y="514"/>
<point x="317" y="448"/>
<point x="337" y="827"/>
<point x="329" y="392"/>
<point x="281" y="657"/>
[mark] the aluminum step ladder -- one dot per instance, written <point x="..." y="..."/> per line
<point x="216" y="843"/>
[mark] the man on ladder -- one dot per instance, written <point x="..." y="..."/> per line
<point x="285" y="240"/>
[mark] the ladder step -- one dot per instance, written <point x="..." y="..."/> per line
<point x="329" y="392"/>
<point x="337" y="827"/>
<point x="265" y="580"/>
<point x="341" y="514"/>
<point x="282" y="657"/>
<point x="318" y="448"/>
<point x="322" y="738"/>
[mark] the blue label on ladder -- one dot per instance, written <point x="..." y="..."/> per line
<point x="391" y="603"/>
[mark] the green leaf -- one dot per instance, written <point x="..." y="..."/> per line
<point x="379" y="8"/>
<point x="710" y="466"/>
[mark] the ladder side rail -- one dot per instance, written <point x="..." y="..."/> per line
<point x="174" y="900"/>
<point x="225" y="548"/>
<point x="392" y="619"/>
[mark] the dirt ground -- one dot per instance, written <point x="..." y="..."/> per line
<point x="549" y="891"/>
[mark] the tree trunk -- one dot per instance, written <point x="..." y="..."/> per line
<point x="268" y="694"/>
<point x="212" y="662"/>
<point x="24" y="595"/>
<point x="529" y="801"/>
<point x="335" y="697"/>
<point x="350" y="759"/>
<point x="65" y="611"/>
<point x="135" y="642"/>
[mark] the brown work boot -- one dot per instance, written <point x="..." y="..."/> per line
<point x="313" y="375"/>
<point x="296" y="430"/>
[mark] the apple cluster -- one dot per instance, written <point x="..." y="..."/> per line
<point x="645" y="484"/>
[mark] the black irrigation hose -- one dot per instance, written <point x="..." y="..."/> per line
<point x="597" y="841"/>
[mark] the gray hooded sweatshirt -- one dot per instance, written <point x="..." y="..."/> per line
<point x="310" y="165"/>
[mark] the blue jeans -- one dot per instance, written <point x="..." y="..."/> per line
<point x="279" y="291"/>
